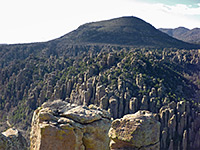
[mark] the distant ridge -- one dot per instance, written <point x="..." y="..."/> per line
<point x="123" y="31"/>
<point x="184" y="34"/>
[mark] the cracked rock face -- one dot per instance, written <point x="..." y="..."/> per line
<point x="135" y="131"/>
<point x="63" y="126"/>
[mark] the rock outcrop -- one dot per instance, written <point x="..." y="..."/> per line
<point x="64" y="126"/>
<point x="12" y="139"/>
<point x="135" y="131"/>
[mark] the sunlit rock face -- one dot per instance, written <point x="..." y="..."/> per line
<point x="135" y="131"/>
<point x="63" y="126"/>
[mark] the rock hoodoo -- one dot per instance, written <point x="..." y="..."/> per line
<point x="135" y="131"/>
<point x="63" y="126"/>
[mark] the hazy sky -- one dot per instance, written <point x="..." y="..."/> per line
<point x="25" y="21"/>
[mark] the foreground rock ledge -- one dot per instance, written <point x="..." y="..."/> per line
<point x="59" y="125"/>
<point x="135" y="131"/>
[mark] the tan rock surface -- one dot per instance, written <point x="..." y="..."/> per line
<point x="62" y="126"/>
<point x="135" y="131"/>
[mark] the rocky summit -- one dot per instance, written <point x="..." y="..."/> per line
<point x="62" y="126"/>
<point x="123" y="31"/>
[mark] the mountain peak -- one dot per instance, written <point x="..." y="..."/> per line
<point x="122" y="21"/>
<point x="126" y="30"/>
<point x="182" y="28"/>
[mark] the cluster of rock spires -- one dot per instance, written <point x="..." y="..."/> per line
<point x="179" y="126"/>
<point x="120" y="94"/>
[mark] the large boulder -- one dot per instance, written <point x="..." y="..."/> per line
<point x="64" y="126"/>
<point x="135" y="131"/>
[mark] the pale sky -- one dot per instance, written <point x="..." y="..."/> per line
<point x="24" y="21"/>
